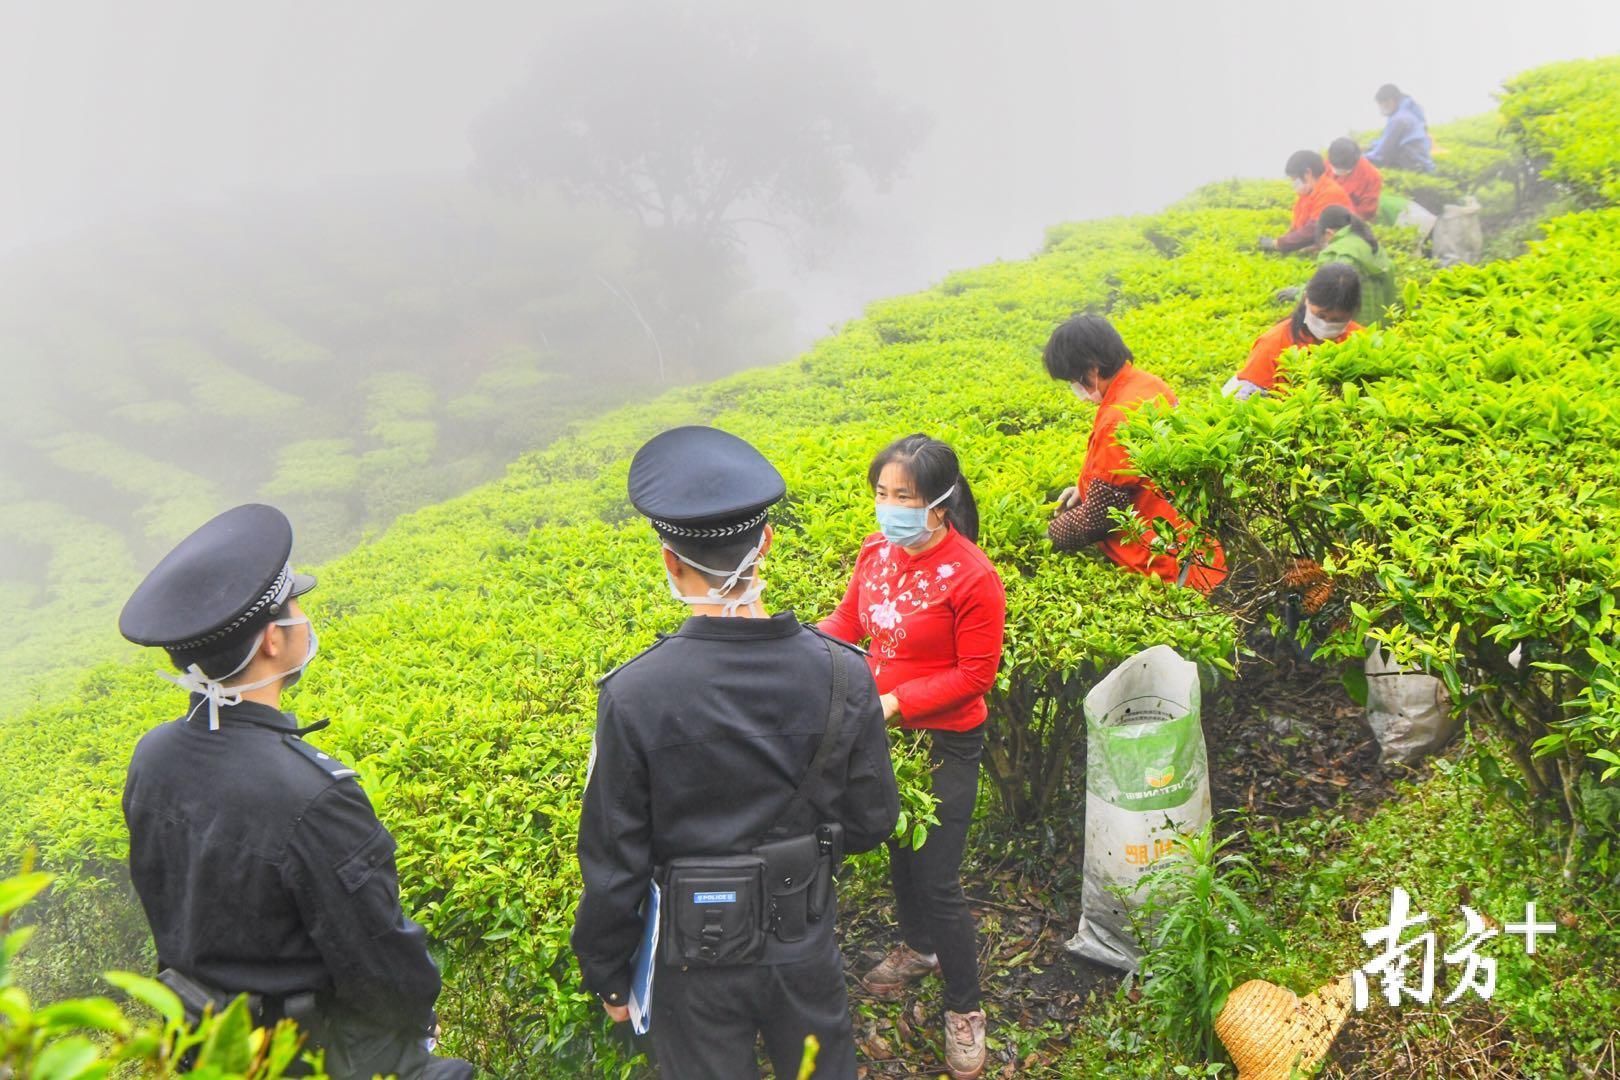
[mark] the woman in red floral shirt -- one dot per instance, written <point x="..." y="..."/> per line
<point x="934" y="609"/>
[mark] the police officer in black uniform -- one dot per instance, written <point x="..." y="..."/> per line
<point x="260" y="863"/>
<point x="702" y="744"/>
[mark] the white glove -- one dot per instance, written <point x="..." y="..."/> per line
<point x="1242" y="389"/>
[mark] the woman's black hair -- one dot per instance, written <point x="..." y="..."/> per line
<point x="1335" y="286"/>
<point x="933" y="468"/>
<point x="1388" y="92"/>
<point x="1301" y="162"/>
<point x="1344" y="153"/>
<point x="1340" y="217"/>
<point x="1085" y="344"/>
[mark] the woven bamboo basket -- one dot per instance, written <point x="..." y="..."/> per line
<point x="1270" y="1031"/>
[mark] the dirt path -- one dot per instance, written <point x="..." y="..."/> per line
<point x="1284" y="741"/>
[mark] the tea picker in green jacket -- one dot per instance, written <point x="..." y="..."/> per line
<point x="1343" y="237"/>
<point x="1346" y="238"/>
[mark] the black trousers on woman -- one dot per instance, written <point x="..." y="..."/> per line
<point x="934" y="916"/>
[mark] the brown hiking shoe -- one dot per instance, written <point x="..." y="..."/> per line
<point x="964" y="1044"/>
<point x="903" y="965"/>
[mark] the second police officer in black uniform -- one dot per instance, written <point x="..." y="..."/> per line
<point x="731" y="761"/>
<point x="258" y="859"/>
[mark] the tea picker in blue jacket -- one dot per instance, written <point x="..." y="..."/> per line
<point x="1405" y="142"/>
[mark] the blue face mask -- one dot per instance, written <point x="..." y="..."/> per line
<point x="907" y="526"/>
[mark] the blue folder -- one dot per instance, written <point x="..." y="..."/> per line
<point x="643" y="963"/>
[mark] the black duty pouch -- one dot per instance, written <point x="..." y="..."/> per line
<point x="791" y="869"/>
<point x="715" y="910"/>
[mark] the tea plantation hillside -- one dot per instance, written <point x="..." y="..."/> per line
<point x="350" y="355"/>
<point x="1449" y="473"/>
<point x="1457" y="473"/>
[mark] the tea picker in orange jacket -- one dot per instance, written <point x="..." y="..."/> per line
<point x="1325" y="313"/>
<point x="1360" y="178"/>
<point x="1087" y="353"/>
<point x="1316" y="190"/>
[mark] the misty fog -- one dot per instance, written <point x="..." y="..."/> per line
<point x="1040" y="111"/>
<point x="331" y="255"/>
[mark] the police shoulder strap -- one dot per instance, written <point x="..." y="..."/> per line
<point x="829" y="738"/>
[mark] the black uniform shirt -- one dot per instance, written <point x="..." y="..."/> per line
<point x="262" y="867"/>
<point x="700" y="743"/>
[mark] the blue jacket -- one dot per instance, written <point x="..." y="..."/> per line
<point x="1405" y="141"/>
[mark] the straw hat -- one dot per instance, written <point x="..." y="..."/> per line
<point x="1269" y="1030"/>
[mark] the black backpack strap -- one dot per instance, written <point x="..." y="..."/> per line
<point x="829" y="739"/>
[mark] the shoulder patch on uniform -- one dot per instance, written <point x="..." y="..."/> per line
<point x="600" y="679"/>
<point x="819" y="632"/>
<point x="328" y="764"/>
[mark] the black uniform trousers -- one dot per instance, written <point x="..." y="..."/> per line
<point x="934" y="915"/>
<point x="360" y="1050"/>
<point x="704" y="1020"/>
<point x="356" y="1049"/>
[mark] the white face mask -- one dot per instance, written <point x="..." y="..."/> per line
<point x="292" y="675"/>
<point x="1085" y="393"/>
<point x="216" y="694"/>
<point x="1321" y="329"/>
<point x="717" y="594"/>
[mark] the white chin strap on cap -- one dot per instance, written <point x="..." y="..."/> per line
<point x="214" y="692"/>
<point x="717" y="594"/>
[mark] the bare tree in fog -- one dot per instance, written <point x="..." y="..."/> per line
<point x="698" y="123"/>
<point x="698" y="126"/>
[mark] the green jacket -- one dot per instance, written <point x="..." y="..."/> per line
<point x="1377" y="274"/>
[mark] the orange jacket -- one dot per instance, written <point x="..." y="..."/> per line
<point x="1363" y="184"/>
<point x="1106" y="460"/>
<point x="1307" y="208"/>
<point x="1261" y="367"/>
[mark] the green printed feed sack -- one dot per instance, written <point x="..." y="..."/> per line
<point x="1147" y="783"/>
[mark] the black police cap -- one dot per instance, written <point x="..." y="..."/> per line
<point x="218" y="586"/>
<point x="703" y="484"/>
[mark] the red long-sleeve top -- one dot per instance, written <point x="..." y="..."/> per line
<point x="935" y="622"/>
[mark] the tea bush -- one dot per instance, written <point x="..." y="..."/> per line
<point x="460" y="648"/>
<point x="144" y="415"/>
<point x="1564" y="116"/>
<point x="1455" y="475"/>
